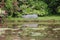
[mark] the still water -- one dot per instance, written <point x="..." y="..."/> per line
<point x="30" y="31"/>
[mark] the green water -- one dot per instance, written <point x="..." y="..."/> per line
<point x="30" y="31"/>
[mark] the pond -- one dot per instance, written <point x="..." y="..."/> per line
<point x="30" y="31"/>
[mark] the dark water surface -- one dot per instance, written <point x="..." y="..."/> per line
<point x="30" y="31"/>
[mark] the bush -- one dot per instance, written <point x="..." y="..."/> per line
<point x="40" y="8"/>
<point x="58" y="9"/>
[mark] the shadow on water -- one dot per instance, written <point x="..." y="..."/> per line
<point x="30" y="31"/>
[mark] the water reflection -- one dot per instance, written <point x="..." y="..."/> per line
<point x="33" y="25"/>
<point x="30" y="31"/>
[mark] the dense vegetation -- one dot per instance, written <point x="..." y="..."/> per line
<point x="17" y="8"/>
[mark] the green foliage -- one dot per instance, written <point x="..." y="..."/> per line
<point x="27" y="11"/>
<point x="23" y="7"/>
<point x="39" y="7"/>
<point x="58" y="9"/>
<point x="9" y="4"/>
<point x="35" y="7"/>
<point x="40" y="12"/>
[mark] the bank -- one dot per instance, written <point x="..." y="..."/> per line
<point x="36" y="19"/>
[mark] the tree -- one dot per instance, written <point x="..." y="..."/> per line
<point x="39" y="7"/>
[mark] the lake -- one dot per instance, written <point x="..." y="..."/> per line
<point x="29" y="31"/>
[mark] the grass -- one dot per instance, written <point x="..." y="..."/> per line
<point x="39" y="18"/>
